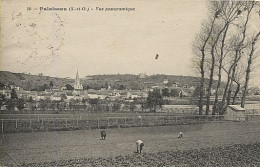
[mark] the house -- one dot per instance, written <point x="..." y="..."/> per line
<point x="165" y="81"/>
<point x="235" y="113"/>
<point x="6" y="93"/>
<point x="55" y="96"/>
<point x="175" y="85"/>
<point x="92" y="95"/>
<point x="43" y="95"/>
<point x="142" y="75"/>
<point x="102" y="94"/>
<point x="136" y="95"/>
<point x="33" y="95"/>
<point x="22" y="94"/>
<point x="69" y="95"/>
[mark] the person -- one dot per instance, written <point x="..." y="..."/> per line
<point x="139" y="145"/>
<point x="180" y="135"/>
<point x="103" y="135"/>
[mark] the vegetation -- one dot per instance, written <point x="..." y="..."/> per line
<point x="227" y="45"/>
<point x="154" y="100"/>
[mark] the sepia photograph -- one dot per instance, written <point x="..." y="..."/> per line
<point x="141" y="83"/>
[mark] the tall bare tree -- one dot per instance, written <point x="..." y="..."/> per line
<point x="239" y="44"/>
<point x="249" y="65"/>
<point x="229" y="10"/>
<point x="199" y="48"/>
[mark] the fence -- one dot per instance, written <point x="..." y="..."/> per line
<point x="56" y="124"/>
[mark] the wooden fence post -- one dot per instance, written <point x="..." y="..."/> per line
<point x="16" y="123"/>
<point x="42" y="122"/>
<point x="163" y="121"/>
<point x="30" y="122"/>
<point x="98" y="123"/>
<point x="66" y="122"/>
<point x="2" y="125"/>
<point x="108" y="123"/>
<point x="125" y="121"/>
<point x="117" y="123"/>
<point x="77" y="121"/>
<point x="38" y="118"/>
<point x="141" y="121"/>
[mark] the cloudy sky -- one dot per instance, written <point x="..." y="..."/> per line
<point x="100" y="42"/>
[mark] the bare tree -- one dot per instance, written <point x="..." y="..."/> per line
<point x="229" y="11"/>
<point x="199" y="48"/>
<point x="248" y="70"/>
<point x="239" y="45"/>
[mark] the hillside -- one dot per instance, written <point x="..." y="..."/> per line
<point x="116" y="81"/>
<point x="29" y="82"/>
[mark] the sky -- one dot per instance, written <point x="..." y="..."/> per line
<point x="100" y="42"/>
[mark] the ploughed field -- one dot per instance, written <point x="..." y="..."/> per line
<point x="211" y="144"/>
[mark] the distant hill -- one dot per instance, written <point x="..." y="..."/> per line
<point x="29" y="82"/>
<point x="116" y="81"/>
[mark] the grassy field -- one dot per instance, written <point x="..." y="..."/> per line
<point x="39" y="148"/>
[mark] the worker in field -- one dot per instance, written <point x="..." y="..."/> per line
<point x="103" y="135"/>
<point x="180" y="135"/>
<point x="139" y="145"/>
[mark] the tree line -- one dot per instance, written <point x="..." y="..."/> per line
<point x="226" y="48"/>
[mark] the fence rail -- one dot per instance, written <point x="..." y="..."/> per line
<point x="75" y="123"/>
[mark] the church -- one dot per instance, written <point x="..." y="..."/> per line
<point x="77" y="85"/>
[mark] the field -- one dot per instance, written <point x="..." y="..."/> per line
<point x="202" y="145"/>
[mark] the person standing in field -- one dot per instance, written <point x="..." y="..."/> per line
<point x="139" y="146"/>
<point x="103" y="135"/>
<point x="180" y="135"/>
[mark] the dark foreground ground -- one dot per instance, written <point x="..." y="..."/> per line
<point x="236" y="155"/>
<point x="212" y="144"/>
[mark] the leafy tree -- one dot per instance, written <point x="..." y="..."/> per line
<point x="44" y="104"/>
<point x="72" y="104"/>
<point x="84" y="103"/>
<point x="2" y="100"/>
<point x="61" y="105"/>
<point x="94" y="103"/>
<point x="14" y="94"/>
<point x="196" y="92"/>
<point x="116" y="106"/>
<point x="154" y="100"/>
<point x="86" y="87"/>
<point x="30" y="100"/>
<point x="2" y="85"/>
<point x="69" y="87"/>
<point x="51" y="84"/>
<point x="174" y="93"/>
<point x="10" y="104"/>
<point x="132" y="106"/>
<point x="165" y="92"/>
<point x="20" y="104"/>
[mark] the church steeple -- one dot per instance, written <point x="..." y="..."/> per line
<point x="77" y="85"/>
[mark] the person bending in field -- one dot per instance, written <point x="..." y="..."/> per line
<point x="180" y="135"/>
<point x="103" y="135"/>
<point x="139" y="145"/>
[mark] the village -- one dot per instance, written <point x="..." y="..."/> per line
<point x="39" y="100"/>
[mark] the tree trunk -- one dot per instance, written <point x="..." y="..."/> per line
<point x="219" y="71"/>
<point x="236" y="93"/>
<point x="213" y="67"/>
<point x="202" y="80"/>
<point x="248" y="70"/>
